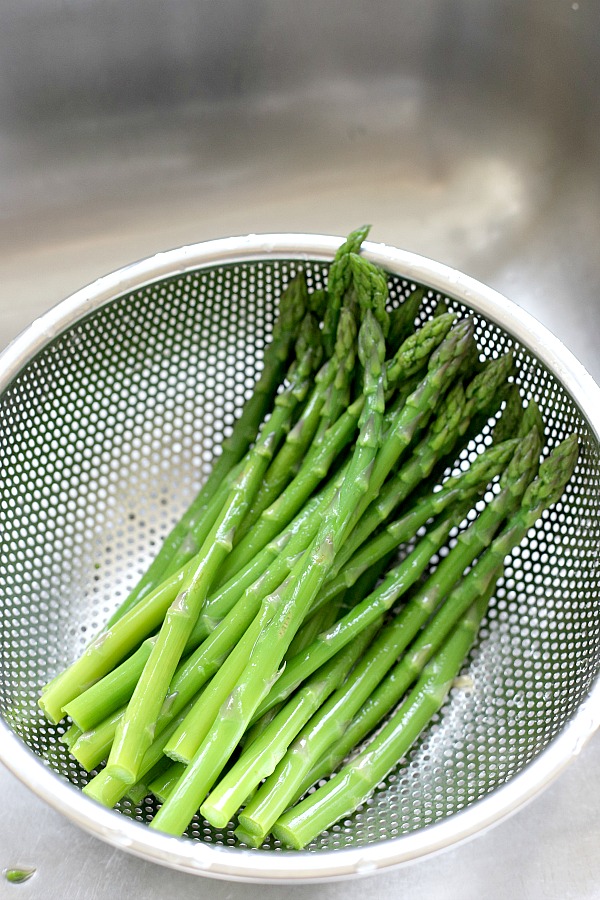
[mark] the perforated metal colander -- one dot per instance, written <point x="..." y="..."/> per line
<point x="111" y="407"/>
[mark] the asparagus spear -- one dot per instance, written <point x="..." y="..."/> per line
<point x="114" y="643"/>
<point x="371" y="290"/>
<point x="71" y="735"/>
<point x="292" y="308"/>
<point x="109" y="648"/>
<point x="409" y="476"/>
<point x="310" y="572"/>
<point x="189" y="736"/>
<point x="192" y="674"/>
<point x="299" y="825"/>
<point x="469" y="544"/>
<point x="204" y="662"/>
<point x="409" y="359"/>
<point x="351" y="787"/>
<point x="531" y="418"/>
<point x="134" y="632"/>
<point x="402" y="319"/>
<point x="108" y="788"/>
<point x="327" y="728"/>
<point x="261" y="757"/>
<point x="338" y="282"/>
<point x="93" y="746"/>
<point x="141" y="789"/>
<point x="329" y="723"/>
<point x="330" y="396"/>
<point x="459" y="491"/>
<point x="135" y="732"/>
<point x="346" y="599"/>
<point x="162" y="785"/>
<point x="542" y="493"/>
<point x="293" y="604"/>
<point x="508" y="424"/>
<point x="215" y="632"/>
<point x="111" y="692"/>
<point x="458" y="409"/>
<point x="382" y="701"/>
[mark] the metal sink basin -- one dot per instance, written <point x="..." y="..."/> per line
<point x="464" y="130"/>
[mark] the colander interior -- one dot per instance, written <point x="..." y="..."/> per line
<point x="104" y="438"/>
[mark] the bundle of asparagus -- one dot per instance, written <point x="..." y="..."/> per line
<point x="318" y="583"/>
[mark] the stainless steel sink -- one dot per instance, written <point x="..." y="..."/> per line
<point x="464" y="130"/>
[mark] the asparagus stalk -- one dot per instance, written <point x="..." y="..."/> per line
<point x="270" y="566"/>
<point x="531" y="418"/>
<point x="409" y="360"/>
<point x="71" y="735"/>
<point x="310" y="572"/>
<point x="162" y="785"/>
<point x="472" y="482"/>
<point x="189" y="737"/>
<point x="514" y="481"/>
<point x="402" y="319"/>
<point x="317" y="464"/>
<point x="344" y="600"/>
<point x="108" y="788"/>
<point x="192" y="674"/>
<point x="115" y="644"/>
<point x="381" y="702"/>
<point x="395" y="739"/>
<point x="202" y="716"/>
<point x="336" y="383"/>
<point x="93" y="745"/>
<point x="354" y="784"/>
<point x="292" y="308"/>
<point x="141" y="789"/>
<point x="542" y="493"/>
<point x="135" y="732"/>
<point x="296" y="598"/>
<point x="329" y="398"/>
<point x="418" y="348"/>
<point x="444" y="363"/>
<point x="222" y="621"/>
<point x="394" y="586"/>
<point x="108" y="648"/>
<point x="199" y="528"/>
<point x="508" y="424"/>
<point x="406" y="625"/>
<point x="458" y="409"/>
<point x="370" y="285"/>
<point x="315" y="623"/>
<point x="408" y="476"/>
<point x="261" y="757"/>
<point x="338" y="282"/>
<point x="111" y="692"/>
<point x="326" y="729"/>
<point x="186" y="741"/>
<point x="204" y="663"/>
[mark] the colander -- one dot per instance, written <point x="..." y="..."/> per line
<point x="111" y="407"/>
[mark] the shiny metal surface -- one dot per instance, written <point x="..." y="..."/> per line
<point x="465" y="131"/>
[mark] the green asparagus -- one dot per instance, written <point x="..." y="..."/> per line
<point x="340" y="554"/>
